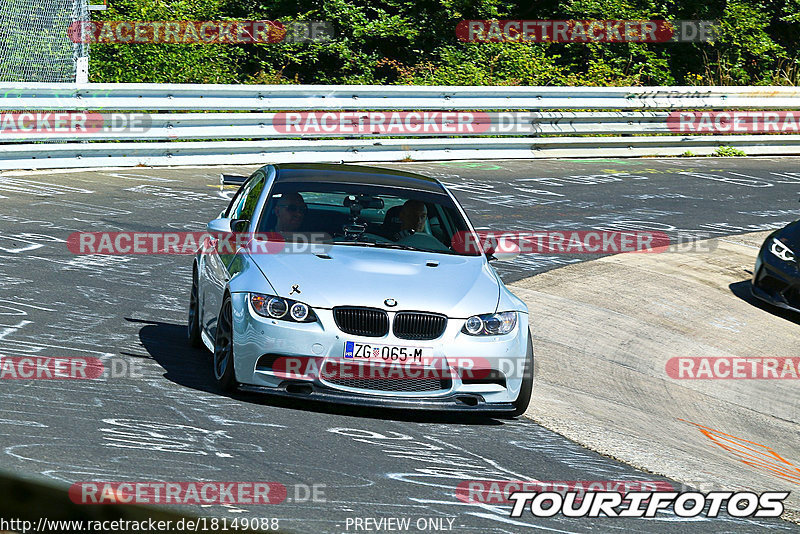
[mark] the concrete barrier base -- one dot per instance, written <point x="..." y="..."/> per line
<point x="604" y="332"/>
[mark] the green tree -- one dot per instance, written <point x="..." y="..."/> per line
<point x="407" y="42"/>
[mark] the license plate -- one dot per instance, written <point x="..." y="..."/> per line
<point x="356" y="351"/>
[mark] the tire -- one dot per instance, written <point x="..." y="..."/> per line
<point x="524" y="397"/>
<point x="193" y="324"/>
<point x="223" y="348"/>
<point x="755" y="278"/>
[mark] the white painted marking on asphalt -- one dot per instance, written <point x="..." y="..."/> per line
<point x="84" y="208"/>
<point x="501" y="511"/>
<point x="31" y="347"/>
<point x="18" y="303"/>
<point x="162" y="437"/>
<point x="487" y="460"/>
<point x="22" y="423"/>
<point x="140" y="177"/>
<point x="30" y="187"/>
<point x="508" y="520"/>
<point x="177" y="411"/>
<point x="230" y="422"/>
<point x="10" y="329"/>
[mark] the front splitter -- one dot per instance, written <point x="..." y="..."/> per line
<point x="458" y="402"/>
<point x="763" y="296"/>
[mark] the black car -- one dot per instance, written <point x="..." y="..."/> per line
<point x="776" y="277"/>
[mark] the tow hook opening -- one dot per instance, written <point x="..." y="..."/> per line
<point x="469" y="400"/>
<point x="298" y="388"/>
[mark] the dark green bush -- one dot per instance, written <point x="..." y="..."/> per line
<point x="406" y="42"/>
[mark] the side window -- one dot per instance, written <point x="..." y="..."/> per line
<point x="250" y="201"/>
<point x="246" y="203"/>
<point x="235" y="200"/>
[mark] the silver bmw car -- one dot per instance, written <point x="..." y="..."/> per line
<point x="357" y="285"/>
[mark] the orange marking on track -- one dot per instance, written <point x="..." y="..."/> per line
<point x="752" y="453"/>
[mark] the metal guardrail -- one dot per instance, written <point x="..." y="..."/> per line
<point x="623" y="122"/>
<point x="32" y="96"/>
<point x="185" y="126"/>
<point x="57" y="156"/>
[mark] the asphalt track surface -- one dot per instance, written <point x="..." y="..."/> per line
<point x="170" y="424"/>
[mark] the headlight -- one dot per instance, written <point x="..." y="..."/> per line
<point x="474" y="325"/>
<point x="281" y="308"/>
<point x="491" y="324"/>
<point x="781" y="250"/>
<point x="276" y="307"/>
<point x="299" y="311"/>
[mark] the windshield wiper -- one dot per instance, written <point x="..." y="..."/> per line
<point x="409" y="247"/>
<point x="357" y="243"/>
<point x="399" y="246"/>
<point x="396" y="246"/>
<point x="376" y="244"/>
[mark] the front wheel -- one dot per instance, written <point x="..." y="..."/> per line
<point x="223" y="348"/>
<point x="524" y="397"/>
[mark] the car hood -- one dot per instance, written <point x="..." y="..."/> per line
<point x="459" y="286"/>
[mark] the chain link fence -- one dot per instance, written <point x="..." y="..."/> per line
<point x="34" y="41"/>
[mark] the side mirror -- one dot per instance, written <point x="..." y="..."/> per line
<point x="503" y="256"/>
<point x="240" y="225"/>
<point x="503" y="250"/>
<point x="228" y="225"/>
<point x="232" y="179"/>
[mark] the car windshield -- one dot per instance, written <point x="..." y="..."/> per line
<point x="364" y="215"/>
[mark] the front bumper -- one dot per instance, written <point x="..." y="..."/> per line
<point x="454" y="402"/>
<point x="776" y="282"/>
<point x="258" y="340"/>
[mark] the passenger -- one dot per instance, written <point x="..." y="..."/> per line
<point x="413" y="216"/>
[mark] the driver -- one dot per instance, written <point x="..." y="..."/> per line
<point x="290" y="212"/>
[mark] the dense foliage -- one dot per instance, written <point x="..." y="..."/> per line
<point x="414" y="42"/>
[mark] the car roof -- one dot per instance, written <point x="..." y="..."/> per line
<point x="355" y="174"/>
